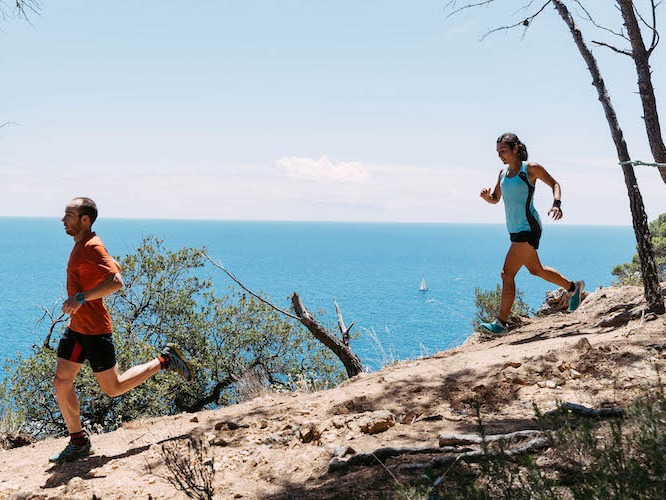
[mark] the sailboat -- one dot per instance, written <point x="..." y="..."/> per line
<point x="423" y="286"/>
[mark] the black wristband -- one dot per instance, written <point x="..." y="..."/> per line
<point x="557" y="203"/>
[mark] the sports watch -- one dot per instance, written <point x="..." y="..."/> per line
<point x="80" y="298"/>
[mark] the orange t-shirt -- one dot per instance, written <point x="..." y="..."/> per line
<point x="89" y="264"/>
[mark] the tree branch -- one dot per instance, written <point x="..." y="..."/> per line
<point x="214" y="396"/>
<point x="220" y="266"/>
<point x="340" y="349"/>
<point x="453" y="3"/>
<point x="344" y="331"/>
<point x="613" y="48"/>
<point x="525" y="22"/>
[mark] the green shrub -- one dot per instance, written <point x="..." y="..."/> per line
<point x="488" y="304"/>
<point x="588" y="458"/>
<point x="630" y="273"/>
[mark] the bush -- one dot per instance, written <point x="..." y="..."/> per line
<point x="587" y="458"/>
<point x="165" y="299"/>
<point x="630" y="272"/>
<point x="488" y="304"/>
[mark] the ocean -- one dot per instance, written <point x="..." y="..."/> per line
<point x="372" y="270"/>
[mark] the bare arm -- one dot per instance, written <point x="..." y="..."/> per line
<point x="536" y="171"/>
<point x="111" y="284"/>
<point x="494" y="196"/>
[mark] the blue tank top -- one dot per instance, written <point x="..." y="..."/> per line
<point x="518" y="194"/>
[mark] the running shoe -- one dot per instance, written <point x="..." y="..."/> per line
<point x="178" y="363"/>
<point x="494" y="328"/>
<point x="575" y="297"/>
<point x="73" y="452"/>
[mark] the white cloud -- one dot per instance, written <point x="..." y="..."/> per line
<point x="369" y="192"/>
<point x="323" y="169"/>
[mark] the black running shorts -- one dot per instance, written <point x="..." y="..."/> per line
<point x="98" y="349"/>
<point x="531" y="237"/>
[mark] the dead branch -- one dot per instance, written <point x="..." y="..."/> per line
<point x="467" y="439"/>
<point x="455" y="447"/>
<point x="524" y="23"/>
<point x="377" y="456"/>
<point x="269" y="304"/>
<point x="453" y="3"/>
<point x="585" y="411"/>
<point x="339" y="347"/>
<point x="344" y="331"/>
<point x="50" y="314"/>
<point x="613" y="48"/>
<point x="535" y="444"/>
<point x="453" y="453"/>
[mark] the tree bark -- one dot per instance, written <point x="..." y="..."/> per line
<point x="655" y="302"/>
<point x="641" y="57"/>
<point x="213" y="397"/>
<point x="340" y="349"/>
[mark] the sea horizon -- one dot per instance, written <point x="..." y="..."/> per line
<point x="372" y="269"/>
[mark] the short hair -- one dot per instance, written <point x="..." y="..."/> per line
<point x="87" y="207"/>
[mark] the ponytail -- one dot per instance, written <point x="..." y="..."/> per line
<point x="512" y="140"/>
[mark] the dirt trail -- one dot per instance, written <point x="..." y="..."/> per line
<point x="280" y="445"/>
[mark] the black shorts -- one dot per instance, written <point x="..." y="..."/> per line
<point x="531" y="237"/>
<point x="98" y="349"/>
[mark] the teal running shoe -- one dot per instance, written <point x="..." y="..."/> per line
<point x="494" y="328"/>
<point x="73" y="452"/>
<point x="575" y="297"/>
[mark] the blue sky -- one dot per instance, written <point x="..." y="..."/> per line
<point x="306" y="110"/>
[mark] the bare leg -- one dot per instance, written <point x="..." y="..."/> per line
<point x="63" y="383"/>
<point x="517" y="256"/>
<point x="535" y="267"/>
<point x="114" y="384"/>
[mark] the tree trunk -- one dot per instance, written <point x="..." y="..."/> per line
<point x="649" y="273"/>
<point x="641" y="57"/>
<point x="340" y="349"/>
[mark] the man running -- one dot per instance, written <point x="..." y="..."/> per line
<point x="92" y="274"/>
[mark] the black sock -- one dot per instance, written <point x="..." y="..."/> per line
<point x="572" y="287"/>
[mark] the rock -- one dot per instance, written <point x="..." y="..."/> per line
<point x="309" y="433"/>
<point x="195" y="418"/>
<point x="583" y="345"/>
<point x="9" y="440"/>
<point x="548" y="384"/>
<point x="575" y="374"/>
<point x="556" y="301"/>
<point x="342" y="451"/>
<point x="513" y="364"/>
<point x="229" y="424"/>
<point x="218" y="441"/>
<point x="263" y="423"/>
<point x="376" y="421"/>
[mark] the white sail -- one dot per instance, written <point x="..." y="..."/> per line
<point x="423" y="286"/>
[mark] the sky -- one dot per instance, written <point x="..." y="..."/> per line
<point x="345" y="110"/>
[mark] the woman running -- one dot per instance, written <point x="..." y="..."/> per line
<point x="516" y="182"/>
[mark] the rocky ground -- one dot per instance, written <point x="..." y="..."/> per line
<point x="295" y="445"/>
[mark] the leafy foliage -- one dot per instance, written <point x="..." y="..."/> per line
<point x="166" y="299"/>
<point x="488" y="304"/>
<point x="629" y="273"/>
